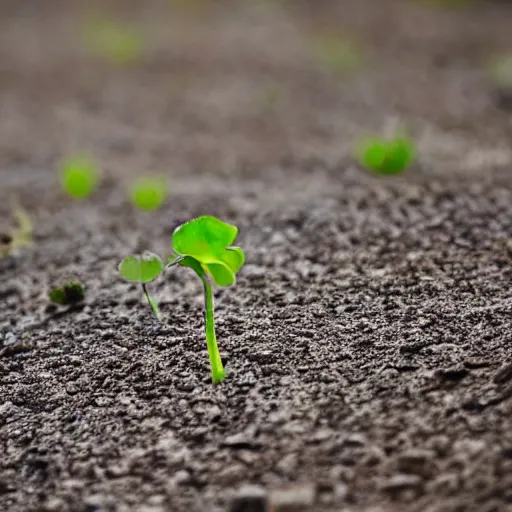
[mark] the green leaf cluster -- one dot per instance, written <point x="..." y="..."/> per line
<point x="148" y="192"/>
<point x="386" y="157"/>
<point x="209" y="241"/>
<point x="71" y="292"/>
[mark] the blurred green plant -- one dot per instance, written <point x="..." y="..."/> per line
<point x="79" y="176"/>
<point x="386" y="156"/>
<point x="337" y="54"/>
<point x="270" y="97"/>
<point x="148" y="192"/>
<point x="114" y="42"/>
<point x="445" y="4"/>
<point x="19" y="236"/>
<point x="500" y="69"/>
<point x="71" y="292"/>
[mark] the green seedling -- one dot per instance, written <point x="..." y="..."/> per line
<point x="143" y="269"/>
<point x="205" y="245"/>
<point x="70" y="293"/>
<point x="113" y="42"/>
<point x="386" y="157"/>
<point x="148" y="193"/>
<point x="79" y="176"/>
<point x="337" y="54"/>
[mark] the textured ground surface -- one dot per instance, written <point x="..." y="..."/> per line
<point x="368" y="338"/>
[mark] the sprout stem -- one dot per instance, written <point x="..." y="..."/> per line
<point x="211" y="340"/>
<point x="218" y="373"/>
<point x="152" y="302"/>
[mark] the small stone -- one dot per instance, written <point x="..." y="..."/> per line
<point x="322" y="435"/>
<point x="18" y="347"/>
<point x="254" y="271"/>
<point x="469" y="447"/>
<point x="230" y="472"/>
<point x="288" y="464"/>
<point x="293" y="499"/>
<point x="240" y="441"/>
<point x="250" y="498"/>
<point x="181" y="477"/>
<point x="9" y="339"/>
<point x="355" y="440"/>
<point x="401" y="482"/>
<point x="54" y="505"/>
<point x="446" y="484"/>
<point x="214" y="412"/>
<point x="416" y="461"/>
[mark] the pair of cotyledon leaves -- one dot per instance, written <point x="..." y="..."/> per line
<point x="206" y="240"/>
<point x="386" y="156"/>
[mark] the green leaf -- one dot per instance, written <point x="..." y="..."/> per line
<point x="114" y="42"/>
<point x="221" y="274"/>
<point x="205" y="243"/>
<point x="234" y="258"/>
<point x="204" y="238"/>
<point x="154" y="305"/>
<point x="79" y="176"/>
<point x="141" y="269"/>
<point x="372" y="153"/>
<point x="148" y="193"/>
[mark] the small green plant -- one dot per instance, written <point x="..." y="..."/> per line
<point x="500" y="68"/>
<point x="205" y="245"/>
<point x="386" y="156"/>
<point x="79" y="176"/>
<point x="446" y="4"/>
<point x="337" y="54"/>
<point x="70" y="293"/>
<point x="114" y="42"/>
<point x="143" y="269"/>
<point x="19" y="236"/>
<point x="149" y="192"/>
<point x="270" y="97"/>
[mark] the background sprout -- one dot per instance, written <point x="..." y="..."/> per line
<point x="79" y="176"/>
<point x="143" y="269"/>
<point x="205" y="245"/>
<point x="114" y="42"/>
<point x="337" y="54"/>
<point x="19" y="236"/>
<point x="501" y="70"/>
<point x="148" y="193"/>
<point x="386" y="156"/>
<point x="71" y="292"/>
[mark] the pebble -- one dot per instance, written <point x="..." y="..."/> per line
<point x="9" y="339"/>
<point x="293" y="499"/>
<point x="240" y="441"/>
<point x="288" y="464"/>
<point x="415" y="461"/>
<point x="181" y="477"/>
<point x="401" y="482"/>
<point x="250" y="498"/>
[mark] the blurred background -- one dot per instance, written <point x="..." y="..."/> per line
<point x="225" y="86"/>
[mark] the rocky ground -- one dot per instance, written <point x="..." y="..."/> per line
<point x="368" y="337"/>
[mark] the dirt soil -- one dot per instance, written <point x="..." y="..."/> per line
<point x="368" y="338"/>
